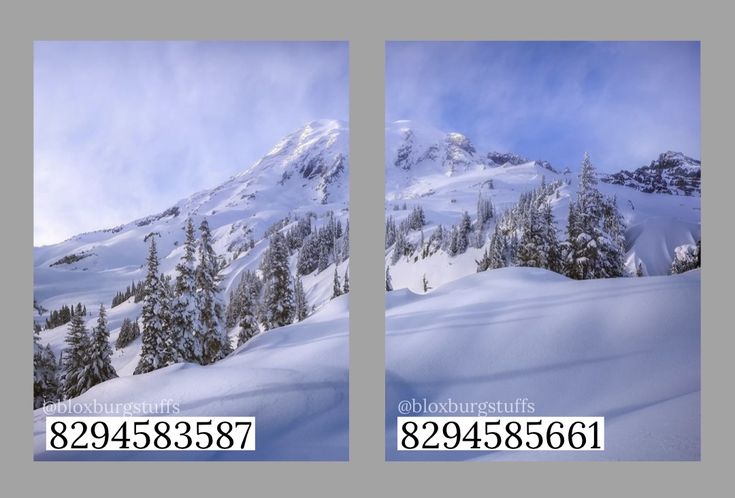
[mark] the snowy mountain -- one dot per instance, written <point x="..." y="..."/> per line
<point x="418" y="148"/>
<point x="426" y="167"/>
<point x="300" y="185"/>
<point x="672" y="173"/>
<point x="305" y="172"/>
<point x="623" y="348"/>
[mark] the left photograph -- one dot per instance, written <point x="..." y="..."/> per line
<point x="191" y="251"/>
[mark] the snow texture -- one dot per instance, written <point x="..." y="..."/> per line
<point x="627" y="349"/>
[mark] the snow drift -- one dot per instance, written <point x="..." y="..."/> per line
<point x="293" y="379"/>
<point x="627" y="349"/>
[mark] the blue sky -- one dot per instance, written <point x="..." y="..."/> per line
<point x="126" y="129"/>
<point x="623" y="102"/>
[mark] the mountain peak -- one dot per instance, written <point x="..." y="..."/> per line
<point x="410" y="144"/>
<point x="671" y="159"/>
<point x="671" y="173"/>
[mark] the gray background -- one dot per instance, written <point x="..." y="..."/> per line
<point x="366" y="25"/>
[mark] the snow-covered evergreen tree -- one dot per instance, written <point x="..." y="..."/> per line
<point x="401" y="246"/>
<point x="551" y="245"/>
<point x="337" y="285"/>
<point x="154" y="336"/>
<point x="129" y="331"/>
<point x="346" y="284"/>
<point x="184" y="305"/>
<point x="172" y="351"/>
<point x="323" y="261"/>
<point x="416" y="219"/>
<point x="484" y="211"/>
<point x="595" y="242"/>
<point x="45" y="374"/>
<point x="100" y="357"/>
<point x="388" y="280"/>
<point x="686" y="257"/>
<point x="463" y="232"/>
<point x="76" y="379"/>
<point x="308" y="258"/>
<point x="346" y="241"/>
<point x="301" y="306"/>
<point x="498" y="253"/>
<point x="532" y="250"/>
<point x="243" y="308"/>
<point x="247" y="320"/>
<point x="278" y="308"/>
<point x="390" y="232"/>
<point x="211" y="332"/>
<point x="453" y="248"/>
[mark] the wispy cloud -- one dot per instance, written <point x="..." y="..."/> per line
<point x="124" y="129"/>
<point x="624" y="102"/>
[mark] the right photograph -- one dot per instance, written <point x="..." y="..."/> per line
<point x="542" y="250"/>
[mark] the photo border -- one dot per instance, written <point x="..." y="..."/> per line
<point x="366" y="25"/>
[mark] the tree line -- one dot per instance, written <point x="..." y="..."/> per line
<point x="184" y="318"/>
<point x="85" y="362"/>
<point x="594" y="245"/>
<point x="526" y="234"/>
<point x="63" y="315"/>
<point x="134" y="290"/>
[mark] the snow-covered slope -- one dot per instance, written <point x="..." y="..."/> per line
<point x="627" y="349"/>
<point x="444" y="174"/>
<point x="306" y="172"/>
<point x="293" y="379"/>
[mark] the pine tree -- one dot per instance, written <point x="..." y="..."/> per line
<point x="155" y="329"/>
<point x="570" y="246"/>
<point x="171" y="352"/>
<point x="300" y="303"/>
<point x="211" y="333"/>
<point x="400" y="246"/>
<point x="76" y="379"/>
<point x="613" y="246"/>
<point x="499" y="252"/>
<point x="453" y="241"/>
<point x="247" y="314"/>
<point x="278" y="306"/>
<point x="390" y="232"/>
<point x="129" y="331"/>
<point x="308" y="258"/>
<point x="337" y="287"/>
<point x="550" y="241"/>
<point x="100" y="365"/>
<point x="184" y="307"/>
<point x="323" y="261"/>
<point x="532" y="251"/>
<point x="484" y="211"/>
<point x="346" y="285"/>
<point x="45" y="374"/>
<point x="595" y="241"/>
<point x="388" y="280"/>
<point x="346" y="242"/>
<point x="465" y="227"/>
